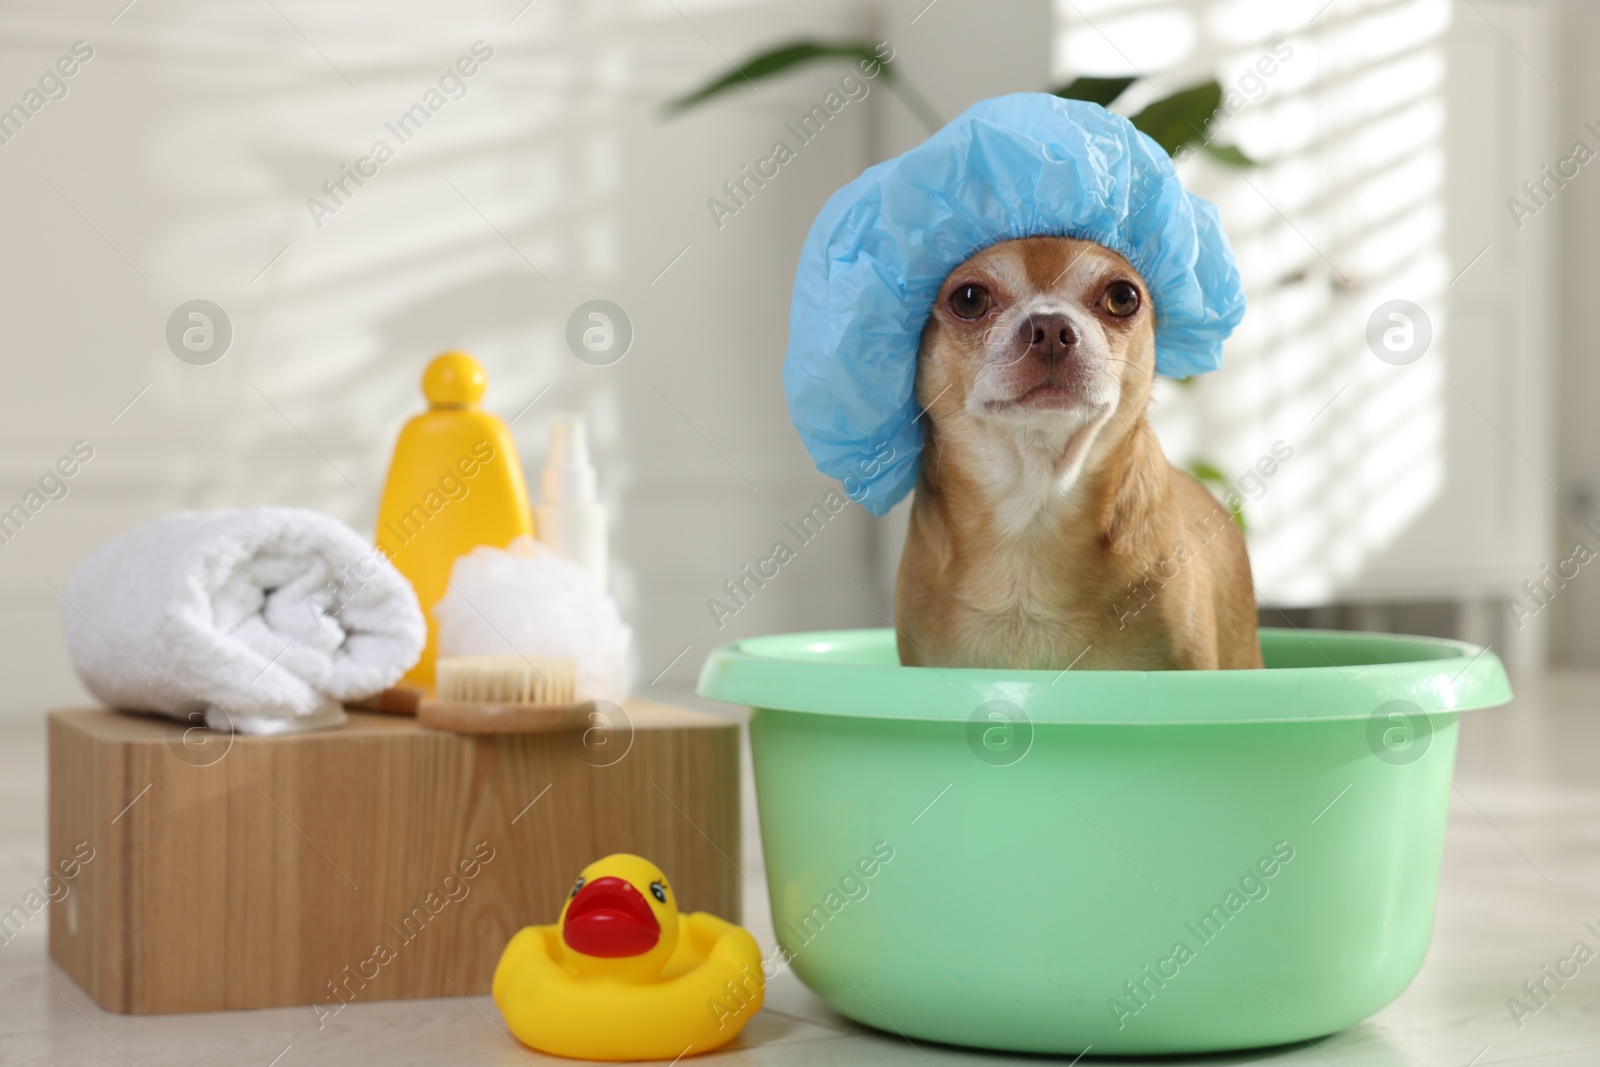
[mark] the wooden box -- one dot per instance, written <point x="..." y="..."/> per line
<point x="377" y="861"/>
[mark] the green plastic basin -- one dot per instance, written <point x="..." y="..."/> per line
<point x="1141" y="862"/>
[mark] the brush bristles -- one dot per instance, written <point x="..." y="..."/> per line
<point x="506" y="679"/>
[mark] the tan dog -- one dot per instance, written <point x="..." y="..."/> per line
<point x="1048" y="529"/>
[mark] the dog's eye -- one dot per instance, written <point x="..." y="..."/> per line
<point x="970" y="301"/>
<point x="1121" y="299"/>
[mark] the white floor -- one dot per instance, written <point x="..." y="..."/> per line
<point x="1521" y="877"/>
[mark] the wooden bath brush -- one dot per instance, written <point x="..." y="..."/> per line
<point x="501" y="695"/>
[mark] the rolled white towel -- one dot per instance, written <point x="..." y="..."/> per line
<point x="272" y="615"/>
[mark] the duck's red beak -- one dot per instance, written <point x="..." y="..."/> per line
<point x="610" y="919"/>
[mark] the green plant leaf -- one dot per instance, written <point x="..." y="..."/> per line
<point x="1228" y="154"/>
<point x="777" y="60"/>
<point x="1100" y="91"/>
<point x="1185" y="116"/>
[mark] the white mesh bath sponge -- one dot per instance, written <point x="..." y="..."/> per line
<point x="526" y="600"/>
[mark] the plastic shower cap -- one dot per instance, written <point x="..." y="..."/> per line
<point x="1025" y="165"/>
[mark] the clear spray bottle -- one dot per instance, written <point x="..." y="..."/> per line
<point x="569" y="518"/>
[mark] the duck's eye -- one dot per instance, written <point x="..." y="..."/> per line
<point x="1121" y="299"/>
<point x="658" y="891"/>
<point x="577" y="887"/>
<point x="970" y="301"/>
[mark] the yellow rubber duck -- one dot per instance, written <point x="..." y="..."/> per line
<point x="623" y="976"/>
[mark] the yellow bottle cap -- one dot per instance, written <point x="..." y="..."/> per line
<point x="454" y="380"/>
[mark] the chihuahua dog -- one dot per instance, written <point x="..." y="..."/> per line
<point x="1048" y="530"/>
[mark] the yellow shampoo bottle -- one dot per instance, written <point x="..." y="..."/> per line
<point x="455" y="483"/>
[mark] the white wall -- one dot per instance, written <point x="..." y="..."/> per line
<point x="179" y="164"/>
<point x="1574" y="217"/>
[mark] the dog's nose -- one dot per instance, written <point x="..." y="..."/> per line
<point x="1049" y="336"/>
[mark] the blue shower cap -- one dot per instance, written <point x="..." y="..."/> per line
<point x="1025" y="165"/>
